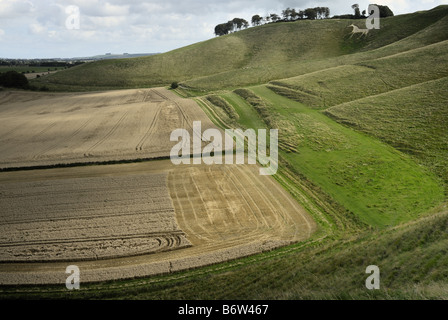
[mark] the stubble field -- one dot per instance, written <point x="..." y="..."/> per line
<point x="125" y="220"/>
<point x="48" y="129"/>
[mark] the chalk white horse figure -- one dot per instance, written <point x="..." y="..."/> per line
<point x="357" y="30"/>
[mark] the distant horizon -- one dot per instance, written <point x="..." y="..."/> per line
<point x="101" y="26"/>
<point x="86" y="57"/>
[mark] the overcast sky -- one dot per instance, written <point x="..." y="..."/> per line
<point x="49" y="29"/>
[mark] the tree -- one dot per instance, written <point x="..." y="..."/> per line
<point x="311" y="13"/>
<point x="222" y="29"/>
<point x="320" y="12"/>
<point x="344" y="16"/>
<point x="230" y="26"/>
<point x="219" y="30"/>
<point x="174" y="85"/>
<point x="13" y="79"/>
<point x="385" y="11"/>
<point x="357" y="11"/>
<point x="274" y="17"/>
<point x="286" y="14"/>
<point x="256" y="20"/>
<point x="239" y="23"/>
<point x="294" y="14"/>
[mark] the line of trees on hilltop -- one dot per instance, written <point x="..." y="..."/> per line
<point x="384" y="13"/>
<point x="287" y="15"/>
<point x="293" y="15"/>
<point x="230" y="26"/>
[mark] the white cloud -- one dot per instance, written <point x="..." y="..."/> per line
<point x="37" y="28"/>
<point x="100" y="8"/>
<point x="11" y="9"/>
<point x="107" y="22"/>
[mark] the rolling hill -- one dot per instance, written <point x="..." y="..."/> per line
<point x="261" y="54"/>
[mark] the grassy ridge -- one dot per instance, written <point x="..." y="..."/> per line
<point x="224" y="106"/>
<point x="193" y="61"/>
<point x="256" y="55"/>
<point x="397" y="34"/>
<point x="247" y="116"/>
<point x="381" y="186"/>
<point x="346" y="83"/>
<point x="413" y="119"/>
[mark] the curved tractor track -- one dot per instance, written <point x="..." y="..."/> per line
<point x="128" y="220"/>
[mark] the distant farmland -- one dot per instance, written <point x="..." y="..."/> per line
<point x="27" y="69"/>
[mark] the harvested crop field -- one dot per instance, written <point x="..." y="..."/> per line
<point x="52" y="128"/>
<point x="125" y="225"/>
<point x="128" y="220"/>
<point x="87" y="218"/>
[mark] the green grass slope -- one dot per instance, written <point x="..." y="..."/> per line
<point x="397" y="34"/>
<point x="396" y="93"/>
<point x="214" y="56"/>
<point x="257" y="55"/>
<point x="381" y="186"/>
<point x="413" y="120"/>
<point x="345" y="83"/>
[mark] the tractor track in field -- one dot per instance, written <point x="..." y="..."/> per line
<point x="121" y="221"/>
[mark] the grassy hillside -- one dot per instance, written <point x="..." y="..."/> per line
<point x="257" y="55"/>
<point x="379" y="185"/>
<point x="413" y="120"/>
<point x="158" y="70"/>
<point x="400" y="98"/>
<point x="427" y="28"/>
<point x="341" y="84"/>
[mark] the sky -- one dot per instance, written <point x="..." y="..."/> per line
<point x="80" y="28"/>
